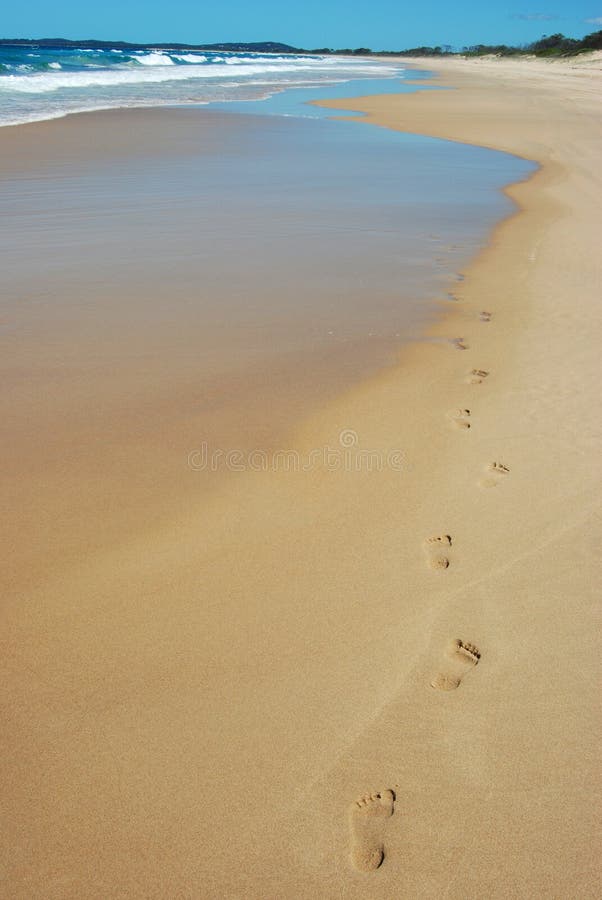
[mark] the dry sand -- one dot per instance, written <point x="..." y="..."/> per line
<point x="318" y="673"/>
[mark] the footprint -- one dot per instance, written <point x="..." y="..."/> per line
<point x="459" y="343"/>
<point x="367" y="824"/>
<point x="460" y="418"/>
<point x="463" y="657"/>
<point x="476" y="376"/>
<point x="485" y="316"/>
<point x="437" y="549"/>
<point x="496" y="472"/>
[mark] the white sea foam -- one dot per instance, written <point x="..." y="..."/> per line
<point x="154" y="59"/>
<point x="154" y="78"/>
<point x="42" y="83"/>
<point x="48" y="115"/>
<point x="189" y="57"/>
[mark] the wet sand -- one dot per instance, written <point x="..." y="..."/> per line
<point x="178" y="277"/>
<point x="368" y="683"/>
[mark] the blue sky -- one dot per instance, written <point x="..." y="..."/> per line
<point x="386" y="24"/>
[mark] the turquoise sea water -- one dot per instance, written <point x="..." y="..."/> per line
<point x="39" y="83"/>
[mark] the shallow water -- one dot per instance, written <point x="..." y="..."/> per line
<point x="39" y="83"/>
<point x="306" y="231"/>
<point x="184" y="276"/>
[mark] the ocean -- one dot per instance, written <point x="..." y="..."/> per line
<point x="38" y="83"/>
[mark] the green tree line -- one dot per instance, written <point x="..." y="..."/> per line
<point x="548" y="45"/>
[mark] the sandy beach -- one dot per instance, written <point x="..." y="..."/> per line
<point x="352" y="680"/>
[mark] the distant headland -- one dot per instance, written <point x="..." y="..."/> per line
<point x="90" y="44"/>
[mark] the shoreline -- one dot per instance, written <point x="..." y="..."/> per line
<point x="244" y="390"/>
<point x="524" y="382"/>
<point x="311" y="615"/>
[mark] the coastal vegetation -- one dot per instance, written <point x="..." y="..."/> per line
<point x="548" y="45"/>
